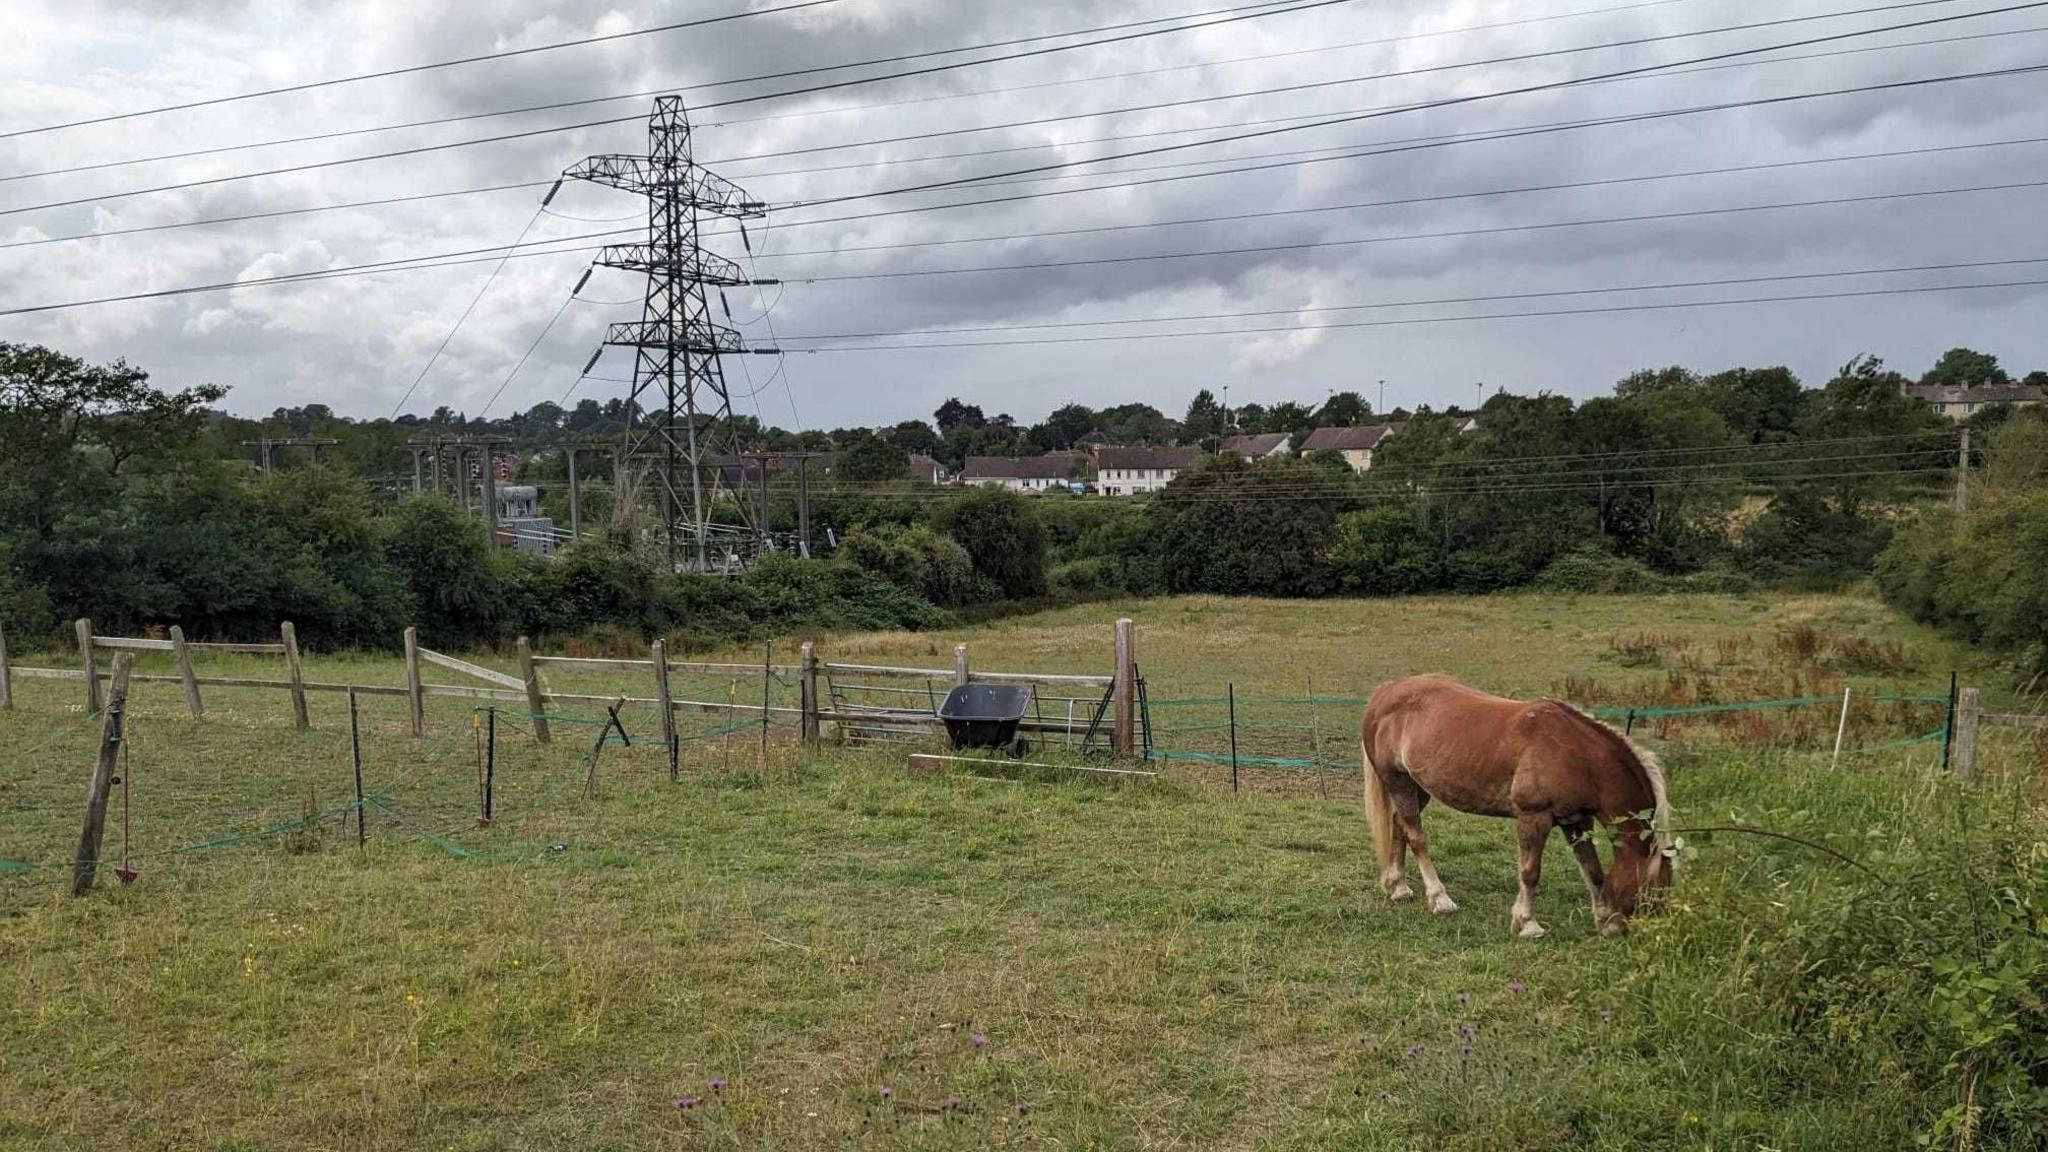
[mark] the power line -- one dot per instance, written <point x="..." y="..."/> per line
<point x="414" y="68"/>
<point x="1548" y="313"/>
<point x="1446" y="102"/>
<point x="1260" y="10"/>
<point x="1036" y="147"/>
<point x="1427" y="144"/>
<point x="446" y="259"/>
<point x="676" y="89"/>
<point x="464" y="318"/>
<point x="1401" y="237"/>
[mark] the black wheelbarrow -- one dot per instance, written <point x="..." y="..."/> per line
<point x="985" y="715"/>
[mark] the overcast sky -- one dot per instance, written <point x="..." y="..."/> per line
<point x="358" y="343"/>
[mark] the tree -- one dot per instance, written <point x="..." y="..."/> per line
<point x="1759" y="405"/>
<point x="1965" y="366"/>
<point x="864" y="456"/>
<point x="1137" y="424"/>
<point x="1384" y="551"/>
<point x="1205" y="418"/>
<point x="953" y="414"/>
<point x="1067" y="424"/>
<point x="1343" y="410"/>
<point x="1237" y="528"/>
<point x="913" y="436"/>
<point x="1003" y="536"/>
<point x="1648" y="380"/>
<point x="1865" y="402"/>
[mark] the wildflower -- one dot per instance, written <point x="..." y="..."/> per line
<point x="1607" y="1015"/>
<point x="979" y="1040"/>
<point x="888" y="1092"/>
<point x="1413" y="1051"/>
<point x="1467" y="1031"/>
<point x="1517" y="987"/>
<point x="1464" y="998"/>
<point x="717" y="1083"/>
<point x="1023" y="1109"/>
<point x="953" y="1104"/>
<point x="687" y="1103"/>
<point x="1386" y="1097"/>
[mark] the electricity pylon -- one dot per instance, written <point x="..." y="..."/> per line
<point x="677" y="349"/>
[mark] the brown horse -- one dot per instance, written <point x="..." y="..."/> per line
<point x="1541" y="763"/>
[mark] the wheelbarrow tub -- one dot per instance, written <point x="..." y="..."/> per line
<point x="984" y="715"/>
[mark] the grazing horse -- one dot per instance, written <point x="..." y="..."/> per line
<point x="1541" y="763"/>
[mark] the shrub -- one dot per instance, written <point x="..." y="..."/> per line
<point x="917" y="557"/>
<point x="1002" y="535"/>
<point x="1240" y="529"/>
<point x="1383" y="552"/>
<point x="1807" y="537"/>
<point x="1598" y="572"/>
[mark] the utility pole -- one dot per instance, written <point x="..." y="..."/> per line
<point x="575" y="499"/>
<point x="1962" y="500"/>
<point x="1383" y="398"/>
<point x="1482" y="397"/>
<point x="677" y="348"/>
<point x="418" y="474"/>
<point x="803" y="505"/>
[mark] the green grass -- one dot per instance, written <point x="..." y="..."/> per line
<point x="1157" y="965"/>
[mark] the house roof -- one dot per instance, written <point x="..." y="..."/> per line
<point x="1096" y="437"/>
<point x="1976" y="393"/>
<point x="923" y="467"/>
<point x="1148" y="458"/>
<point x="1255" y="446"/>
<point x="1051" y="466"/>
<point x="1347" y="439"/>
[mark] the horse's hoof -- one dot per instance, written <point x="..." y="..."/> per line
<point x="1530" y="930"/>
<point x="1442" y="905"/>
<point x="1401" y="893"/>
<point x="1615" y="926"/>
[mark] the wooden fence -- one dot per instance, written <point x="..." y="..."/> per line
<point x="837" y="694"/>
<point x="1971" y="720"/>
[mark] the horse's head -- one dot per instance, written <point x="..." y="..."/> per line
<point x="1642" y="865"/>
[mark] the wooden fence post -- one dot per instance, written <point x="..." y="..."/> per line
<point x="807" y="689"/>
<point x="535" y="702"/>
<point x="186" y="672"/>
<point x="6" y="676"/>
<point x="960" y="666"/>
<point x="92" y="672"/>
<point x="87" y="861"/>
<point x="1124" y="693"/>
<point x="413" y="696"/>
<point x="295" y="674"/>
<point x="661" y="695"/>
<point x="1969" y="715"/>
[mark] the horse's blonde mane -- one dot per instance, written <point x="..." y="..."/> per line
<point x="1653" y="768"/>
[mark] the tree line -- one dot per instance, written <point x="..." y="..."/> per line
<point x="139" y="506"/>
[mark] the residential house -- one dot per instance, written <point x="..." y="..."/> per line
<point x="1356" y="445"/>
<point x="1961" y="401"/>
<point x="927" y="470"/>
<point x="1054" y="471"/>
<point x="1259" y="446"/>
<point x="1130" y="471"/>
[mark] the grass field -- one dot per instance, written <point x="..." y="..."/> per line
<point x="1043" y="965"/>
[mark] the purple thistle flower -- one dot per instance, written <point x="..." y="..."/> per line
<point x="952" y="1103"/>
<point x="1464" y="1051"/>
<point x="1023" y="1109"/>
<point x="979" y="1040"/>
<point x="1607" y="1015"/>
<point x="1516" y="987"/>
<point x="1413" y="1051"/>
<point x="887" y="1092"/>
<point x="717" y="1083"/>
<point x="1467" y="1031"/>
<point x="686" y="1103"/>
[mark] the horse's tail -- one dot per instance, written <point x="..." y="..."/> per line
<point x="1379" y="810"/>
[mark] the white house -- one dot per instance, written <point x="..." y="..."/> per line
<point x="1054" y="471"/>
<point x="1356" y="445"/>
<point x="1961" y="401"/>
<point x="1130" y="471"/>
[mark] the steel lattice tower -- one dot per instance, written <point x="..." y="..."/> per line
<point x="677" y="349"/>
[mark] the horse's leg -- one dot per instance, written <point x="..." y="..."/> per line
<point x="1409" y="799"/>
<point x="1394" y="878"/>
<point x="1577" y="835"/>
<point x="1532" y="829"/>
